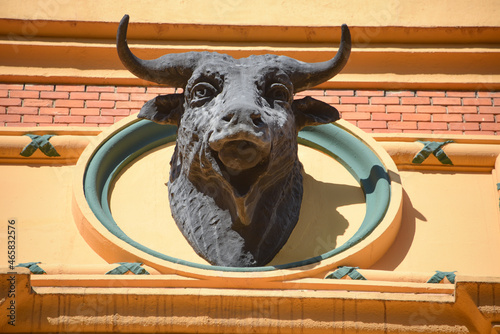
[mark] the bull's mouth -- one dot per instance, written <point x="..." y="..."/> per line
<point x="242" y="162"/>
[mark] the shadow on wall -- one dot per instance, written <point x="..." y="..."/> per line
<point x="397" y="252"/>
<point x="320" y="222"/>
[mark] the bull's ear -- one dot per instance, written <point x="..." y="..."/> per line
<point x="164" y="109"/>
<point x="309" y="111"/>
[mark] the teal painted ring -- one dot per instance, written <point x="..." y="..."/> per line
<point x="142" y="136"/>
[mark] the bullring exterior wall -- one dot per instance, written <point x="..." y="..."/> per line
<point x="420" y="74"/>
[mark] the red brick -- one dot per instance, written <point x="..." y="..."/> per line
<point x="415" y="100"/>
<point x="79" y="125"/>
<point x="4" y="93"/>
<point x="400" y="93"/>
<point x="311" y="92"/>
<point x="100" y="104"/>
<point x="372" y="124"/>
<point x="169" y="90"/>
<point x="328" y="99"/>
<point x="370" y="93"/>
<point x="115" y="112"/>
<point x="387" y="131"/>
<point x="26" y="94"/>
<point x="401" y="109"/>
<point x="480" y="132"/>
<point x="11" y="86"/>
<point x="10" y="118"/>
<point x="115" y="96"/>
<point x="496" y="102"/>
<point x="479" y="118"/>
<point x="84" y="96"/>
<point x="70" y="88"/>
<point x="99" y="119"/>
<point x="446" y="101"/>
<point x="462" y="110"/>
<point x="85" y="111"/>
<point x="129" y="104"/>
<point x="119" y="118"/>
<point x="480" y="94"/>
<point x="430" y="93"/>
<point x="58" y="124"/>
<point x="130" y="89"/>
<point x="385" y="100"/>
<point x="54" y="111"/>
<point x="22" y="110"/>
<point x="10" y="102"/>
<point x="432" y="126"/>
<point x="461" y="94"/>
<point x="330" y="92"/>
<point x="489" y="110"/>
<point x="370" y="108"/>
<point x="37" y="103"/>
<point x="448" y="132"/>
<point x="356" y="115"/>
<point x="54" y="95"/>
<point x="431" y="109"/>
<point x="490" y="126"/>
<point x="69" y="103"/>
<point x="464" y="126"/>
<point x="68" y="119"/>
<point x="402" y="125"/>
<point x="447" y="118"/>
<point x="346" y="107"/>
<point x="108" y="89"/>
<point x="39" y="87"/>
<point x="477" y="102"/>
<point x="417" y="117"/>
<point x="355" y="99"/>
<point x="386" y="117"/>
<point x="20" y="124"/>
<point x="419" y="131"/>
<point x="37" y="119"/>
<point x="3" y="110"/>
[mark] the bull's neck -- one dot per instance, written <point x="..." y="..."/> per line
<point x="260" y="193"/>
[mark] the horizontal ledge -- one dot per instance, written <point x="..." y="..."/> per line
<point x="464" y="156"/>
<point x="26" y="29"/>
<point x="477" y="153"/>
<point x="382" y="81"/>
<point x="378" y="66"/>
<point x="160" y="281"/>
<point x="94" y="271"/>
<point x="68" y="147"/>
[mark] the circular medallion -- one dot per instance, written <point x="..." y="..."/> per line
<point x="117" y="149"/>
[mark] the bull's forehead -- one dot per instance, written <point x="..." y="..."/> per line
<point x="253" y="70"/>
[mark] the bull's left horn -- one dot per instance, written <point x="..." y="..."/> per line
<point x="307" y="75"/>
<point x="173" y="69"/>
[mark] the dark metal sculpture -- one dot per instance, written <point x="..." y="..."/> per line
<point x="235" y="184"/>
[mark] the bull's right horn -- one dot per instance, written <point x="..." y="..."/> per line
<point x="173" y="70"/>
<point x="307" y="75"/>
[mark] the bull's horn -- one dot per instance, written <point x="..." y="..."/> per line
<point x="307" y="75"/>
<point x="173" y="69"/>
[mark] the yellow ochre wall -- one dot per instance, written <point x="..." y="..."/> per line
<point x="447" y="217"/>
<point x="396" y="44"/>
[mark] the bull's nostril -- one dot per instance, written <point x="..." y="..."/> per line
<point x="228" y="117"/>
<point x="257" y="120"/>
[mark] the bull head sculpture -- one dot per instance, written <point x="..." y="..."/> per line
<point x="235" y="185"/>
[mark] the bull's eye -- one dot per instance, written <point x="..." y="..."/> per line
<point x="202" y="93"/>
<point x="278" y="92"/>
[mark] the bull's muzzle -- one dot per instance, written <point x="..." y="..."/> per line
<point x="240" y="150"/>
<point x="241" y="140"/>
